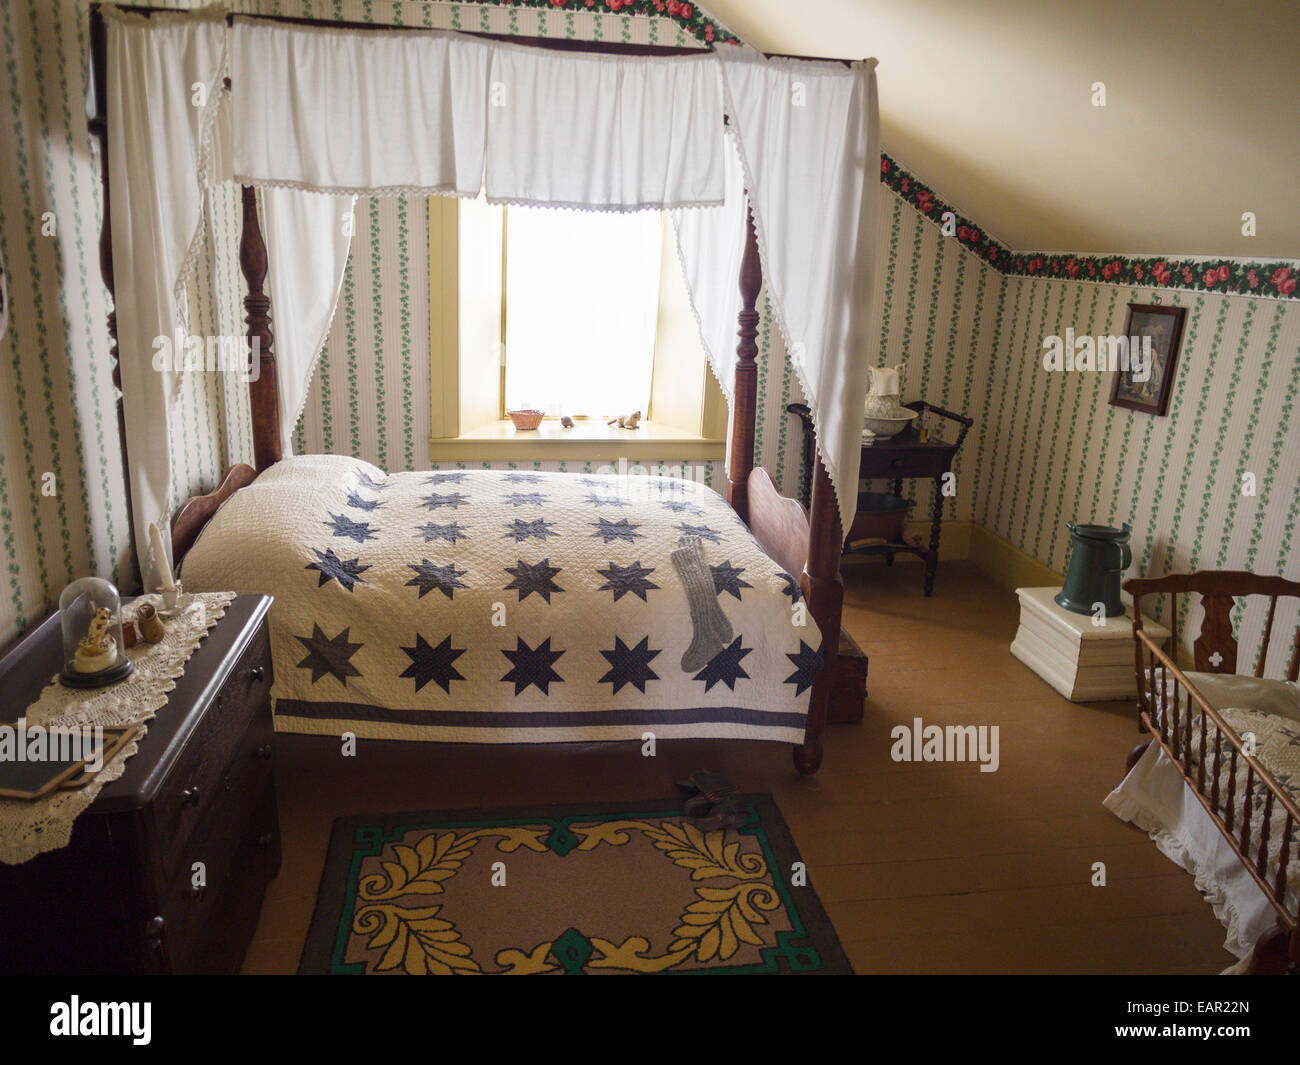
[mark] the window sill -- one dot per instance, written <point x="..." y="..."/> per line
<point x="590" y="440"/>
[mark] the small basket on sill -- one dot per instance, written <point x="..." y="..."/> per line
<point x="525" y="419"/>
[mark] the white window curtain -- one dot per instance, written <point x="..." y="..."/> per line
<point x="710" y="245"/>
<point x="603" y="132"/>
<point x="163" y="85"/>
<point x="388" y="112"/>
<point x="304" y="286"/>
<point x="809" y="138"/>
<point x="370" y="112"/>
<point x="319" y="116"/>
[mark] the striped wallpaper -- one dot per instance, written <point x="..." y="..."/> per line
<point x="1058" y="450"/>
<point x="1044" y="448"/>
<point x="62" y="502"/>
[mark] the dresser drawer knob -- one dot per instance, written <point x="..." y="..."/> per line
<point x="153" y="931"/>
<point x="256" y="674"/>
<point x="190" y="796"/>
<point x="264" y="751"/>
<point x="265" y="839"/>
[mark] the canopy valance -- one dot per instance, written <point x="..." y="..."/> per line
<point x="317" y="116"/>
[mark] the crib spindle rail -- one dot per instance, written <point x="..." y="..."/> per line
<point x="1219" y="798"/>
<point x="1200" y="743"/>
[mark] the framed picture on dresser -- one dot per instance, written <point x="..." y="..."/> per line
<point x="1147" y="384"/>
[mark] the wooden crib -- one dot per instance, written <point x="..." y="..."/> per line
<point x="1215" y="778"/>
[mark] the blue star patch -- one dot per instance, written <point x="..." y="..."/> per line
<point x="331" y="567"/>
<point x="537" y="529"/>
<point x="429" y="576"/>
<point x="450" y="499"/>
<point x="624" y="579"/>
<point x="433" y="663"/>
<point x="451" y="532"/>
<point x="359" y="531"/>
<point x="629" y="665"/>
<point x="807" y="664"/>
<point x="529" y="578"/>
<point x="725" y="667"/>
<point x="532" y="665"/>
<point x="622" y="529"/>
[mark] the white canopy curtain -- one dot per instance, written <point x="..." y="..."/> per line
<point x="317" y="116"/>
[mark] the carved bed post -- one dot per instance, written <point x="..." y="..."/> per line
<point x="263" y="390"/>
<point x="825" y="594"/>
<point x="745" y="388"/>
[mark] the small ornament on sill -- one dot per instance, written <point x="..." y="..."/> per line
<point x="566" y="422"/>
<point x="628" y="421"/>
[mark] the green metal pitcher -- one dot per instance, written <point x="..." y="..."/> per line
<point x="1099" y="555"/>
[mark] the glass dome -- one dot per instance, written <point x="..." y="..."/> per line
<point x="94" y="651"/>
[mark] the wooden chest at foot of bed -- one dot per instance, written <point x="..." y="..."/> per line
<point x="850" y="691"/>
<point x="1084" y="661"/>
<point x="166" y="870"/>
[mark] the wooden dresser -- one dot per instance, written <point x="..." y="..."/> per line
<point x="122" y="896"/>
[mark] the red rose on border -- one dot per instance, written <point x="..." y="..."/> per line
<point x="1223" y="272"/>
<point x="884" y="166"/>
<point x="1210" y="277"/>
<point x="1279" y="276"/>
<point x="1287" y="286"/>
<point x="904" y="184"/>
<point x="708" y="33"/>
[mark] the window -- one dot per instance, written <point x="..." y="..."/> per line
<point x="571" y="312"/>
<point x="581" y="307"/>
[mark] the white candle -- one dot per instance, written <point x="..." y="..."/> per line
<point x="160" y="558"/>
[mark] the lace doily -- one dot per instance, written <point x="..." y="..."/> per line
<point x="31" y="828"/>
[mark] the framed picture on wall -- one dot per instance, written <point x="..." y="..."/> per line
<point x="1148" y="387"/>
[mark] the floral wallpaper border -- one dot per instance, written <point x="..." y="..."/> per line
<point x="688" y="16"/>
<point x="1275" y="279"/>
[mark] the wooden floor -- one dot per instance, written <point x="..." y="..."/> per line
<point x="928" y="867"/>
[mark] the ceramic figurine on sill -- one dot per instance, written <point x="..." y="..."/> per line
<point x="566" y="422"/>
<point x="626" y="421"/>
<point x="97" y="650"/>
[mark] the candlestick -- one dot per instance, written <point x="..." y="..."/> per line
<point x="167" y="582"/>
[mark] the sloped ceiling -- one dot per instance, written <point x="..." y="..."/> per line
<point x="990" y="103"/>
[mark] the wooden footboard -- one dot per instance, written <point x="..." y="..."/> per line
<point x="1209" y="754"/>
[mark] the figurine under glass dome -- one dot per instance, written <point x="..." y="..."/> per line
<point x="94" y="650"/>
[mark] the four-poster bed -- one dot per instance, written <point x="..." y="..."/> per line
<point x="803" y="543"/>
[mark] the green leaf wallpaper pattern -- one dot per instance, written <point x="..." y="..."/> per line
<point x="967" y="324"/>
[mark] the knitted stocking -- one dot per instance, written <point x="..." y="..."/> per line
<point x="712" y="630"/>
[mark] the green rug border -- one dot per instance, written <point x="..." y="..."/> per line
<point x="334" y="889"/>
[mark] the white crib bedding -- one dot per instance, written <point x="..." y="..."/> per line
<point x="1155" y="797"/>
<point x="507" y="606"/>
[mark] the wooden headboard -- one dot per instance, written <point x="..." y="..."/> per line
<point x="193" y="514"/>
<point x="1215" y="647"/>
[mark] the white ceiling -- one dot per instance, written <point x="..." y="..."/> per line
<point x="989" y="103"/>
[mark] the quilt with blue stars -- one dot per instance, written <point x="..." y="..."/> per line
<point x="507" y="606"/>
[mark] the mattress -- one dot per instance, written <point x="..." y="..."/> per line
<point x="511" y="606"/>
